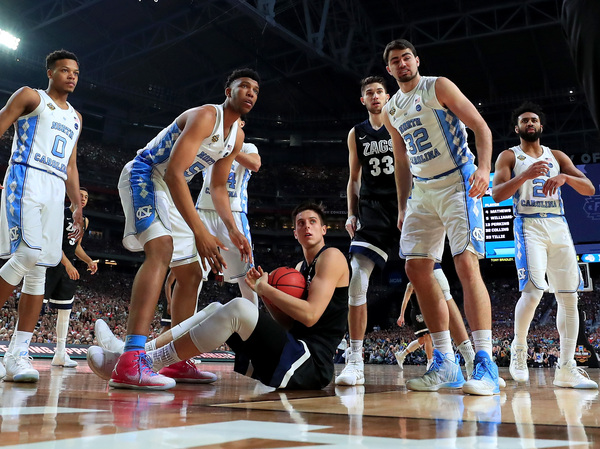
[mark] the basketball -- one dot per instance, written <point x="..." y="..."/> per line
<point x="288" y="280"/>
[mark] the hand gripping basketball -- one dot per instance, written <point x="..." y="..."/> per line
<point x="288" y="280"/>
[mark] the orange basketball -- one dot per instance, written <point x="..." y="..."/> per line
<point x="288" y="280"/>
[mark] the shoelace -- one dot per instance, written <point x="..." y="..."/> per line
<point x="435" y="365"/>
<point x="520" y="359"/>
<point x="146" y="364"/>
<point x="480" y="369"/>
<point x="577" y="371"/>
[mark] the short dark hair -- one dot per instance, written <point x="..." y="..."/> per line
<point x="242" y="73"/>
<point x="84" y="189"/>
<point x="58" y="55"/>
<point x="528" y="106"/>
<point x="398" y="44"/>
<point x="370" y="80"/>
<point x="309" y="205"/>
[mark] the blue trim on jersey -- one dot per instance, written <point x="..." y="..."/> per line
<point x="159" y="153"/>
<point x="26" y="129"/>
<point x="246" y="227"/>
<point x="540" y="215"/>
<point x="143" y="195"/>
<point x="520" y="253"/>
<point x="15" y="182"/>
<point x="474" y="213"/>
<point x="244" y="191"/>
<point x="452" y="130"/>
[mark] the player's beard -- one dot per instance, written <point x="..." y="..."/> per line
<point x="527" y="137"/>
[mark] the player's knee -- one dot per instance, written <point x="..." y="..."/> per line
<point x="531" y="295"/>
<point x="359" y="282"/>
<point x="22" y="261"/>
<point x="567" y="300"/>
<point x="34" y="281"/>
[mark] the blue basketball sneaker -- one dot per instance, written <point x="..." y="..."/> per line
<point x="485" y="377"/>
<point x="444" y="372"/>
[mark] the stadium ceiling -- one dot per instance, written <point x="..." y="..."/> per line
<point x="146" y="60"/>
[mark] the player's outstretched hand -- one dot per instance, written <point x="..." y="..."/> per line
<point x="93" y="266"/>
<point x="72" y="272"/>
<point x="242" y="244"/>
<point x="208" y="251"/>
<point x="479" y="181"/>
<point x="253" y="275"/>
<point x="400" y="320"/>
<point x="77" y="231"/>
<point x="351" y="225"/>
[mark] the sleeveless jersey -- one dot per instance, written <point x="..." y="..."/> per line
<point x="154" y="157"/>
<point x="374" y="151"/>
<point x="237" y="184"/>
<point x="529" y="200"/>
<point x="435" y="139"/>
<point x="69" y="245"/>
<point x="44" y="139"/>
<point x="323" y="337"/>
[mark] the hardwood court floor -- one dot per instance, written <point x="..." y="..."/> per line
<point x="76" y="407"/>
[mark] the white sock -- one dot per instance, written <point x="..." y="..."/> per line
<point x="356" y="346"/>
<point x="62" y="326"/>
<point x="483" y="341"/>
<point x="21" y="343"/>
<point x="466" y="349"/>
<point x="442" y="342"/>
<point x="164" y="356"/>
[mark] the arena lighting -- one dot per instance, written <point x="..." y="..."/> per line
<point x="8" y="40"/>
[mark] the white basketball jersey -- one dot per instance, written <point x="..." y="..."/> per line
<point x="156" y="154"/>
<point x="44" y="139"/>
<point x="436" y="140"/>
<point x="237" y="184"/>
<point x="530" y="200"/>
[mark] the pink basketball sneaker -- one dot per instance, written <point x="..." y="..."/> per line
<point x="134" y="370"/>
<point x="186" y="371"/>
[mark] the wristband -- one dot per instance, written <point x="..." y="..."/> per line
<point x="350" y="218"/>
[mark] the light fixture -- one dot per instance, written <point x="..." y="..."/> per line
<point x="8" y="40"/>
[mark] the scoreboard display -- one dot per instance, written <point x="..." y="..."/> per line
<point x="498" y="222"/>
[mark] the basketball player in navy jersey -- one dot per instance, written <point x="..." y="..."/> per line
<point x="372" y="215"/>
<point x="293" y="348"/>
<point x="61" y="283"/>
<point x="426" y="120"/>
<point x="533" y="175"/>
<point x="43" y="164"/>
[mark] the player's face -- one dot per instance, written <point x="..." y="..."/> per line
<point x="64" y="75"/>
<point x="374" y="98"/>
<point x="529" y="127"/>
<point x="243" y="93"/>
<point x="403" y="65"/>
<point x="84" y="198"/>
<point x="308" y="229"/>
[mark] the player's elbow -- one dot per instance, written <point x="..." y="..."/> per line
<point x="497" y="196"/>
<point x="255" y="166"/>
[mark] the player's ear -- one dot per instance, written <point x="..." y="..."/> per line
<point x="228" y="92"/>
<point x="324" y="229"/>
<point x="541" y="128"/>
<point x="516" y="129"/>
<point x="362" y="100"/>
<point x="295" y="234"/>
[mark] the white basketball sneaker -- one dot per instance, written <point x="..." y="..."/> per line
<point x="63" y="359"/>
<point x="354" y="371"/>
<point x="569" y="375"/>
<point x="444" y="372"/>
<point x="106" y="339"/>
<point x="518" y="362"/>
<point x="19" y="368"/>
<point x="102" y="361"/>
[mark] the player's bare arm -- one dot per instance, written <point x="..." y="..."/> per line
<point x="353" y="188"/>
<point x="402" y="173"/>
<point x="331" y="271"/>
<point x="505" y="185"/>
<point x="74" y="193"/>
<point x="197" y="125"/>
<point x="250" y="161"/>
<point x="450" y="96"/>
<point x="220" y="198"/>
<point x="569" y="174"/>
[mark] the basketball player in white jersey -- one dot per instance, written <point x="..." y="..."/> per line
<point x="161" y="218"/>
<point x="43" y="162"/>
<point x="426" y="120"/>
<point x="533" y="175"/>
<point x="245" y="163"/>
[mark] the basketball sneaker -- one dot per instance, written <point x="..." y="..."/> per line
<point x="19" y="369"/>
<point x="186" y="371"/>
<point x="569" y="375"/>
<point x="518" y="362"/>
<point x="354" y="371"/>
<point x="469" y="367"/>
<point x="106" y="339"/>
<point x="400" y="356"/>
<point x="134" y="370"/>
<point x="2" y="369"/>
<point x="444" y="372"/>
<point x="485" y="377"/>
<point x="102" y="361"/>
<point x="63" y="359"/>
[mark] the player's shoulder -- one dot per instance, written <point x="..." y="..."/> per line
<point x="332" y="255"/>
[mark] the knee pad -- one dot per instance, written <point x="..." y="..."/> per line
<point x="33" y="283"/>
<point x="359" y="282"/>
<point x="21" y="262"/>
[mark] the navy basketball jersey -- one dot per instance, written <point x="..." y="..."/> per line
<point x="374" y="150"/>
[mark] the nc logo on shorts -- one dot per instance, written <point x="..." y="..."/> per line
<point x="478" y="234"/>
<point x="143" y="212"/>
<point x="521" y="273"/>
<point x="14" y="233"/>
